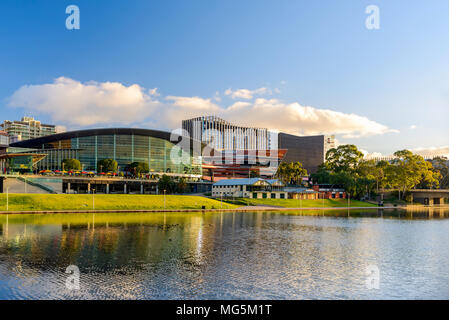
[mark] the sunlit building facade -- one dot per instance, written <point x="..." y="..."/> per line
<point x="223" y="135"/>
<point x="4" y="139"/>
<point x="121" y="144"/>
<point x="27" y="128"/>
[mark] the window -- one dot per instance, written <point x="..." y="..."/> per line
<point x="273" y="196"/>
<point x="254" y="195"/>
<point x="264" y="195"/>
<point x="282" y="196"/>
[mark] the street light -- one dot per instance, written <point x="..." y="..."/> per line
<point x="164" y="198"/>
<point x="93" y="199"/>
<point x="7" y="199"/>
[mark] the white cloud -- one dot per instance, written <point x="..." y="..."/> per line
<point x="246" y="93"/>
<point x="305" y="120"/>
<point x="413" y="127"/>
<point x="72" y="103"/>
<point x="193" y="103"/>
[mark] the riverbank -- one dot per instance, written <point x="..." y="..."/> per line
<point x="137" y="202"/>
<point x="122" y="203"/>
<point x="293" y="203"/>
<point x="106" y="202"/>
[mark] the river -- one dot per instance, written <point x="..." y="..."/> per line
<point x="231" y="255"/>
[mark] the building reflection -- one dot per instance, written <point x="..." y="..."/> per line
<point x="130" y="254"/>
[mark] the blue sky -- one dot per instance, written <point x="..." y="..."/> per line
<point x="393" y="81"/>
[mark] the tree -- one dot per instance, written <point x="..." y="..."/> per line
<point x="298" y="172"/>
<point x="371" y="174"/>
<point x="380" y="174"/>
<point x="166" y="183"/>
<point x="138" y="168"/>
<point x="344" y="158"/>
<point x="407" y="170"/>
<point x="182" y="186"/>
<point x="322" y="176"/>
<point x="107" y="165"/>
<point x="345" y="179"/>
<point x="291" y="172"/>
<point x="440" y="164"/>
<point x="71" y="164"/>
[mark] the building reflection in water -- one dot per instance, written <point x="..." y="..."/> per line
<point x="212" y="255"/>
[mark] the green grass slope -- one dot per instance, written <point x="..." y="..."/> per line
<point x="29" y="202"/>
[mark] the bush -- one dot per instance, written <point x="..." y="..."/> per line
<point x="107" y="165"/>
<point x="138" y="168"/>
<point x="71" y="164"/>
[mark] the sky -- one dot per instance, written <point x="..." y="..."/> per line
<point x="302" y="67"/>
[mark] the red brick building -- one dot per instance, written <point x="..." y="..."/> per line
<point x="330" y="191"/>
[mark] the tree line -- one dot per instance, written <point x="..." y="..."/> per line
<point x="108" y="165"/>
<point x="167" y="183"/>
<point x="346" y="166"/>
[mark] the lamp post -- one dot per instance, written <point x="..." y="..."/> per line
<point x="93" y="199"/>
<point x="7" y="199"/>
<point x="164" y="198"/>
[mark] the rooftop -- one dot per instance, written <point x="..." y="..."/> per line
<point x="237" y="182"/>
<point x="246" y="182"/>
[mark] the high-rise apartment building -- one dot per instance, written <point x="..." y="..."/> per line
<point x="223" y="135"/>
<point x="27" y="128"/>
<point x="4" y="139"/>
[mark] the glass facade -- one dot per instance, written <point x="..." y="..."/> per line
<point x="22" y="163"/>
<point x="124" y="148"/>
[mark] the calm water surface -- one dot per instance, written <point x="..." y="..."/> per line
<point x="226" y="255"/>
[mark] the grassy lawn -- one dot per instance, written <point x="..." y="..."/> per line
<point x="292" y="203"/>
<point x="25" y="202"/>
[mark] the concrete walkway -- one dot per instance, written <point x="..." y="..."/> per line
<point x="17" y="186"/>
